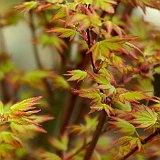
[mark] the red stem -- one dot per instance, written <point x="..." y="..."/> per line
<point x="96" y="135"/>
<point x="146" y="140"/>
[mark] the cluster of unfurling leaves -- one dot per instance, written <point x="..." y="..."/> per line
<point x="16" y="122"/>
<point x="117" y="57"/>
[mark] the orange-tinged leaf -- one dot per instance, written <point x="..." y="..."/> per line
<point x="81" y="20"/>
<point x="27" y="6"/>
<point x="61" y="144"/>
<point x="118" y="62"/>
<point x="124" y="126"/>
<point x="102" y="106"/>
<point x="145" y="117"/>
<point x="61" y="13"/>
<point x="106" y="5"/>
<point x="130" y="141"/>
<point x="93" y="94"/>
<point x="90" y="125"/>
<point x="132" y="96"/>
<point x="9" y="138"/>
<point x="76" y="75"/>
<point x="26" y="104"/>
<point x="48" y="156"/>
<point x="64" y="32"/>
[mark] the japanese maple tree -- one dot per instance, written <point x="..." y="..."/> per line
<point x="103" y="96"/>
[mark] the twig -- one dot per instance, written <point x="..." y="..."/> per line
<point x="146" y="140"/>
<point x="33" y="30"/>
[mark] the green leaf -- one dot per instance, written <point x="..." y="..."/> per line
<point x="76" y="75"/>
<point x="61" y="144"/>
<point x="102" y="49"/>
<point x="105" y="5"/>
<point x="125" y="127"/>
<point x="54" y="41"/>
<point x="122" y="106"/>
<point x="92" y="94"/>
<point x="34" y="78"/>
<point x="5" y="149"/>
<point x="84" y="1"/>
<point x="61" y="13"/>
<point x="118" y="62"/>
<point x="157" y="70"/>
<point x="132" y="96"/>
<point x="90" y="125"/>
<point x="48" y="156"/>
<point x="130" y="141"/>
<point x="145" y="117"/>
<point x="64" y="32"/>
<point x="27" y="6"/>
<point x="60" y="82"/>
<point x="25" y="105"/>
<point x="10" y="138"/>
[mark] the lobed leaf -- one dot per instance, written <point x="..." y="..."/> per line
<point x="145" y="118"/>
<point x="64" y="32"/>
<point x="101" y="106"/>
<point x="125" y="126"/>
<point x="132" y="96"/>
<point x="92" y="94"/>
<point x="76" y="75"/>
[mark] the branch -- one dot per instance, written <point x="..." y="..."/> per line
<point x="69" y="113"/>
<point x="102" y="116"/>
<point x="96" y="135"/>
<point x="38" y="61"/>
<point x="146" y="140"/>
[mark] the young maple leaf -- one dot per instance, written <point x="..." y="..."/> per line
<point x="27" y="6"/>
<point x="132" y="96"/>
<point x="79" y="19"/>
<point x="44" y="155"/>
<point x="25" y="105"/>
<point x="61" y="144"/>
<point x="76" y="75"/>
<point x="90" y="125"/>
<point x="125" y="127"/>
<point x="103" y="49"/>
<point x="64" y="32"/>
<point x="93" y="94"/>
<point x="145" y="117"/>
<point x="7" y="137"/>
<point x="130" y="141"/>
<point x="105" y="5"/>
<point x="101" y="106"/>
<point x="60" y="82"/>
